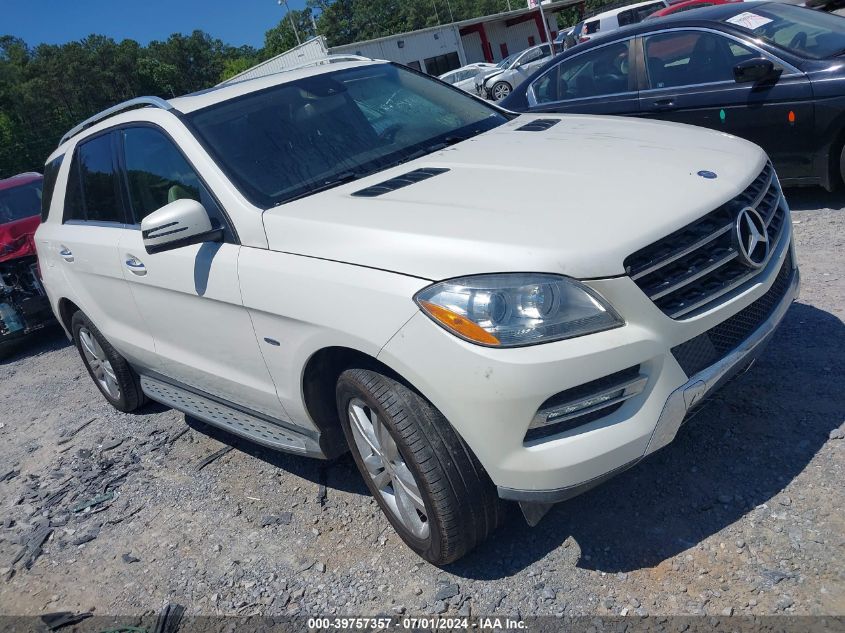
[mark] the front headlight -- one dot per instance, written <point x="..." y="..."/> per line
<point x="514" y="309"/>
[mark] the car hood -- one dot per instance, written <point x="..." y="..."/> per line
<point x="575" y="199"/>
<point x="16" y="238"/>
<point x="481" y="78"/>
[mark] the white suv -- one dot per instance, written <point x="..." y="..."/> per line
<point x="313" y="260"/>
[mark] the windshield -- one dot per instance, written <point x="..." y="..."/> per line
<point x="306" y="135"/>
<point x="807" y="33"/>
<point x="507" y="61"/>
<point x="20" y="202"/>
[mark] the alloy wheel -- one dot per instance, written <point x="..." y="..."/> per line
<point x="387" y="469"/>
<point x="99" y="363"/>
<point x="500" y="91"/>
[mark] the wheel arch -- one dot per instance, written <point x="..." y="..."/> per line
<point x="319" y="381"/>
<point x="66" y="310"/>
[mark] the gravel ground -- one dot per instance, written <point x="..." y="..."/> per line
<point x="741" y="514"/>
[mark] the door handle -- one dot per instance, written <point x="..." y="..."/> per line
<point x="664" y="104"/>
<point x="135" y="266"/>
<point x="66" y="254"/>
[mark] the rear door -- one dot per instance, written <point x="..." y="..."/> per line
<point x="688" y="77"/>
<point x="530" y="61"/>
<point x="85" y="249"/>
<point x="597" y="81"/>
<point x="190" y="297"/>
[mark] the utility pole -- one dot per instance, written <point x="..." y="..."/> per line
<point x="434" y="4"/>
<point x="546" y="28"/>
<point x="295" y="32"/>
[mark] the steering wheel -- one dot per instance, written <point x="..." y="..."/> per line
<point x="799" y="40"/>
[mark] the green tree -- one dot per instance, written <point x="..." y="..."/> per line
<point x="282" y="38"/>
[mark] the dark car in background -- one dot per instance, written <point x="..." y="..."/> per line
<point x="24" y="307"/>
<point x="771" y="73"/>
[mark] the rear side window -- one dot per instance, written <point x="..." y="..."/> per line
<point x="627" y="17"/>
<point x="51" y="173"/>
<point x="92" y="183"/>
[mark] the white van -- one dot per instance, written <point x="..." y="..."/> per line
<point x="612" y="20"/>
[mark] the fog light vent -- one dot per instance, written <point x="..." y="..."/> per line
<point x="585" y="403"/>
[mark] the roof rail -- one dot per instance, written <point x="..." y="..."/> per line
<point x="330" y="59"/>
<point x="156" y="102"/>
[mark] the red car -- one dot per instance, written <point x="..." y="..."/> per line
<point x="686" y="5"/>
<point x="24" y="306"/>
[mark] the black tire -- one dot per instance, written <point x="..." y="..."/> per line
<point x="461" y="505"/>
<point x="130" y="396"/>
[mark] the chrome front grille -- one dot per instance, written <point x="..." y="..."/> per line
<point x="689" y="269"/>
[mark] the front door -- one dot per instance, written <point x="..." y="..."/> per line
<point x="190" y="297"/>
<point x="689" y="79"/>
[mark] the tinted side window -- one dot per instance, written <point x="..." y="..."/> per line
<point x="51" y="173"/>
<point x="687" y="58"/>
<point x="92" y="183"/>
<point x="591" y="27"/>
<point x="157" y="173"/>
<point x="600" y="72"/>
<point x="627" y="17"/>
<point x="99" y="184"/>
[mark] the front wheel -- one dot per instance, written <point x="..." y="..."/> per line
<point x="428" y="483"/>
<point x="500" y="90"/>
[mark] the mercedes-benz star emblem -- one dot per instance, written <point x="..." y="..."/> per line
<point x="752" y="237"/>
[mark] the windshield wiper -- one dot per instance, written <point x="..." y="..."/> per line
<point x="428" y="149"/>
<point x="340" y="179"/>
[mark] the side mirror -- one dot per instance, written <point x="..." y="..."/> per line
<point x="754" y="70"/>
<point x="180" y="223"/>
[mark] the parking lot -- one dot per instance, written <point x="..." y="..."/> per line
<point x="742" y="514"/>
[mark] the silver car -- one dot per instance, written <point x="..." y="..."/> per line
<point x="509" y="73"/>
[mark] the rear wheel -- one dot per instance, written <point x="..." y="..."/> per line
<point x="500" y="90"/>
<point x="430" y="486"/>
<point x="113" y="376"/>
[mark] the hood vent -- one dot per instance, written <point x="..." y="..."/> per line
<point x="538" y="125"/>
<point x="400" y="181"/>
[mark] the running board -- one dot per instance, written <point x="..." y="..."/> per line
<point x="246" y="425"/>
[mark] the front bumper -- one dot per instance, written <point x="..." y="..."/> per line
<point x="490" y="396"/>
<point x="680" y="401"/>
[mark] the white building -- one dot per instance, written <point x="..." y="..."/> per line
<point x="436" y="49"/>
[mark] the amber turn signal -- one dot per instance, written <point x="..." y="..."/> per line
<point x="459" y="325"/>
